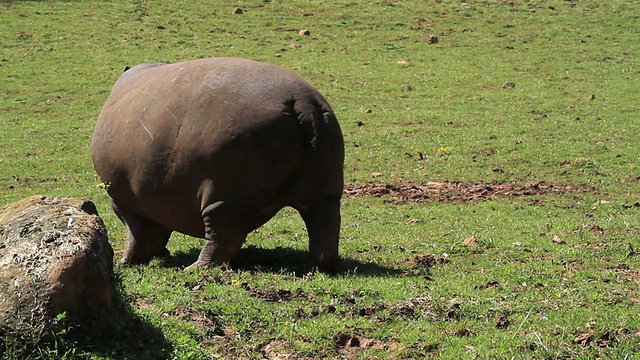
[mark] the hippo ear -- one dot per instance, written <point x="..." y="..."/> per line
<point x="126" y="68"/>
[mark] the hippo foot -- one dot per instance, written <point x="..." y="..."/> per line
<point x="199" y="264"/>
<point x="194" y="266"/>
<point x="205" y="264"/>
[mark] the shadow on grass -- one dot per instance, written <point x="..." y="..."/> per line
<point x="116" y="334"/>
<point x="282" y="260"/>
<point x="119" y="334"/>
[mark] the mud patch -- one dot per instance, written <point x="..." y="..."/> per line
<point x="279" y="295"/>
<point x="200" y="320"/>
<point x="427" y="260"/>
<point x="491" y="284"/>
<point x="422" y="265"/>
<point x="351" y="346"/>
<point x="408" y="192"/>
<point x="278" y="350"/>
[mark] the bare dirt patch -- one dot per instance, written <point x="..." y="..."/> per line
<point x="278" y="295"/>
<point x="351" y="346"/>
<point x="407" y="192"/>
<point x="427" y="260"/>
<point x="422" y="264"/>
<point x="278" y="350"/>
<point x="199" y="319"/>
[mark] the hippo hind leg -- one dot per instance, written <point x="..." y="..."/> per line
<point x="322" y="220"/>
<point x="146" y="239"/>
<point x="223" y="239"/>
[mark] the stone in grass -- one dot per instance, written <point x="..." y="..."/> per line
<point x="55" y="258"/>
<point x="470" y="241"/>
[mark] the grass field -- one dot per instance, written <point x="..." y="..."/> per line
<point x="493" y="208"/>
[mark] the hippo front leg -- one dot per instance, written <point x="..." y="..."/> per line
<point x="223" y="241"/>
<point x="323" y="226"/>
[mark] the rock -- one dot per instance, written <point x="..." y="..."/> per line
<point x="237" y="11"/>
<point x="55" y="257"/>
<point x="304" y="32"/>
<point x="433" y="39"/>
<point x="470" y="241"/>
<point x="557" y="239"/>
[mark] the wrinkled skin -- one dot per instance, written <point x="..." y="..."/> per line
<point x="214" y="148"/>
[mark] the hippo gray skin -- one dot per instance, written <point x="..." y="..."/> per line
<point x="214" y="148"/>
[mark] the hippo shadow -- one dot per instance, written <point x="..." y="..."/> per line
<point x="119" y="334"/>
<point x="282" y="260"/>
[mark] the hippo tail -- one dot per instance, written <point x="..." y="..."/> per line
<point x="312" y="116"/>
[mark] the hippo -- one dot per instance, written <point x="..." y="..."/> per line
<point x="214" y="148"/>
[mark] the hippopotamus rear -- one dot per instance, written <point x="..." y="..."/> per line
<point x="214" y="148"/>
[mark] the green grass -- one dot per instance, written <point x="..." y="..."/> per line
<point x="409" y="110"/>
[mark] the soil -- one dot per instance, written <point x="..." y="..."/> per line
<point x="198" y="318"/>
<point x="278" y="295"/>
<point x="411" y="192"/>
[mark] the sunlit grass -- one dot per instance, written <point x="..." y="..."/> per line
<point x="513" y="92"/>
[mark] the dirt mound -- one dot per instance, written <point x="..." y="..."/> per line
<point x="405" y="191"/>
